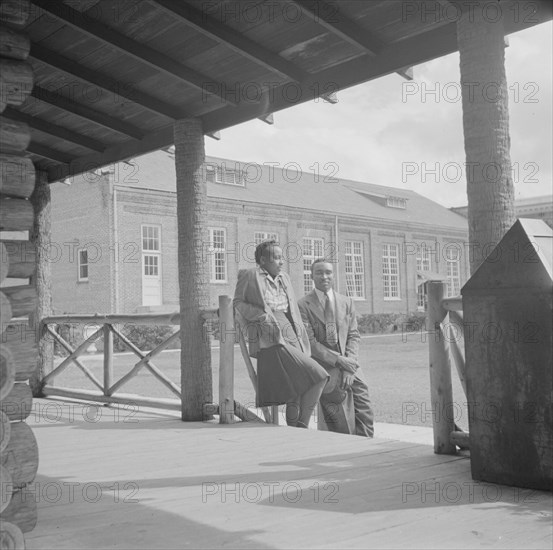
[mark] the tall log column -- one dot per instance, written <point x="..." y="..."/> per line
<point x="18" y="446"/>
<point x="42" y="280"/>
<point x="196" y="375"/>
<point x="490" y="188"/>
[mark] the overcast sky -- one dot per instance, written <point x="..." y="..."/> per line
<point x="397" y="133"/>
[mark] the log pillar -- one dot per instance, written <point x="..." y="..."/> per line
<point x="196" y="375"/>
<point x="490" y="190"/>
<point x="42" y="280"/>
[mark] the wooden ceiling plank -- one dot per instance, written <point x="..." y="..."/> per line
<point x="209" y="26"/>
<point x="102" y="119"/>
<point x="54" y="130"/>
<point x="138" y="51"/>
<point x="48" y="153"/>
<point x="328" y="16"/>
<point x="90" y="76"/>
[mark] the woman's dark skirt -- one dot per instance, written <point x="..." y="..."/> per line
<point x="284" y="372"/>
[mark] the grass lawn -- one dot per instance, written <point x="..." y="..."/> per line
<point x="395" y="368"/>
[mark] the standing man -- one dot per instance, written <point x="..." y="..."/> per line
<point x="332" y="328"/>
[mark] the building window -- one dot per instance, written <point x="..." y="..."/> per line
<point x="83" y="265"/>
<point x="217" y="255"/>
<point x="396" y="202"/>
<point x="150" y="238"/>
<point x="261" y="236"/>
<point x="151" y="265"/>
<point x="423" y="264"/>
<point x="390" y="271"/>
<point x="312" y="249"/>
<point x="423" y="258"/>
<point x="222" y="174"/>
<point x="453" y="263"/>
<point x="355" y="271"/>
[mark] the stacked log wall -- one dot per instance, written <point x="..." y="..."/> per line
<point x="18" y="347"/>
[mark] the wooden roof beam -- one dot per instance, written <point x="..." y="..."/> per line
<point x="54" y="130"/>
<point x="70" y="106"/>
<point x="49" y="153"/>
<point x="209" y="26"/>
<point x="104" y="82"/>
<point x="327" y="15"/>
<point x="132" y="48"/>
<point x="267" y="119"/>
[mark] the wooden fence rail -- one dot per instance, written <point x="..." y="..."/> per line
<point x="108" y="389"/>
<point x="445" y="320"/>
<point x="106" y="328"/>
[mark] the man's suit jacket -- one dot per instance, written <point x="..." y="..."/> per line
<point x="313" y="316"/>
<point x="261" y="327"/>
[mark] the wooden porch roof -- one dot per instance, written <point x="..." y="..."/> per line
<point x="111" y="77"/>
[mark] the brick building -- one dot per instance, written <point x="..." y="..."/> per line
<point x="539" y="208"/>
<point x="114" y="235"/>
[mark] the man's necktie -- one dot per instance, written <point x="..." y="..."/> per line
<point x="330" y="323"/>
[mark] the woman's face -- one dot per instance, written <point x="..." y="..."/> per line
<point x="272" y="260"/>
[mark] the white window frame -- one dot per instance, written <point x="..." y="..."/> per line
<point x="390" y="272"/>
<point x="81" y="265"/>
<point x="154" y="239"/>
<point x="221" y="174"/>
<point x="453" y="264"/>
<point x="396" y="202"/>
<point x="262" y="236"/>
<point x="424" y="261"/>
<point x="355" y="269"/>
<point x="217" y="254"/>
<point x="312" y="245"/>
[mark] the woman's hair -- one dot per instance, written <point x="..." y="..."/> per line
<point x="261" y="249"/>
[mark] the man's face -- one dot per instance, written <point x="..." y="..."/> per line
<point x="323" y="276"/>
<point x="272" y="260"/>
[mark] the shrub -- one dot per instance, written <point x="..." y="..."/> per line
<point x="144" y="337"/>
<point x="379" y="323"/>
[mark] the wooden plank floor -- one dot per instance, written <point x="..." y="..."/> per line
<point x="148" y="480"/>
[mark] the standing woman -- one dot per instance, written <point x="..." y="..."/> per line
<point x="266" y="305"/>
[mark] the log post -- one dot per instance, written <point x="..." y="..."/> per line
<point x="41" y="237"/>
<point x="441" y="395"/>
<point x="196" y="375"/>
<point x="227" y="337"/>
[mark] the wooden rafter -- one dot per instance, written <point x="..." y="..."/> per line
<point x="325" y="15"/>
<point x="49" y="153"/>
<point x="70" y="106"/>
<point x="54" y="130"/>
<point x="209" y="26"/>
<point x="132" y="48"/>
<point x="104" y="82"/>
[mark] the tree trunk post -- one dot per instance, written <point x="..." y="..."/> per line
<point x="441" y="393"/>
<point x="490" y="190"/>
<point x="227" y="337"/>
<point x="42" y="280"/>
<point x="196" y="375"/>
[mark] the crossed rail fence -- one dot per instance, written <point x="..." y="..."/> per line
<point x="444" y="316"/>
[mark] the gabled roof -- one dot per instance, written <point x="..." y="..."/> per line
<point x="268" y="185"/>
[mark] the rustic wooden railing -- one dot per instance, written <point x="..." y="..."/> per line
<point x="445" y="319"/>
<point x="108" y="389"/>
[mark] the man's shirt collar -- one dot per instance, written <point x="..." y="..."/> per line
<point x="322" y="296"/>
